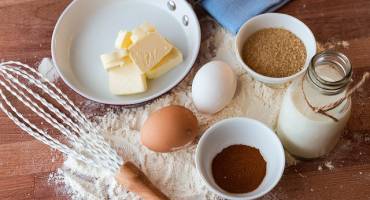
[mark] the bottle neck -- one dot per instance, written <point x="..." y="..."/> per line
<point x="329" y="72"/>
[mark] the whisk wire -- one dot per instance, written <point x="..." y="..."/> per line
<point x="21" y="96"/>
<point x="99" y="153"/>
<point x="37" y="83"/>
<point x="74" y="111"/>
<point x="37" y="133"/>
<point x="94" y="150"/>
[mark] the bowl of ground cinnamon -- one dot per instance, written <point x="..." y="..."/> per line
<point x="275" y="48"/>
<point x="240" y="158"/>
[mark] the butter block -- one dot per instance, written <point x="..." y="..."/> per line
<point x="126" y="80"/>
<point x="149" y="51"/>
<point x="123" y="40"/>
<point x="114" y="59"/>
<point x="167" y="63"/>
<point x="148" y="28"/>
<point x="138" y="34"/>
<point x="142" y="31"/>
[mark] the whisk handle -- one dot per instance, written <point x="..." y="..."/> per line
<point x="134" y="180"/>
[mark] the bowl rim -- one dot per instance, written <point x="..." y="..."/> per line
<point x="211" y="129"/>
<point x="133" y="103"/>
<point x="261" y="77"/>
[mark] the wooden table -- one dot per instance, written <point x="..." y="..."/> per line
<point x="25" y="31"/>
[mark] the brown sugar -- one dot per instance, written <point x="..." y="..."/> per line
<point x="239" y="169"/>
<point x="274" y="52"/>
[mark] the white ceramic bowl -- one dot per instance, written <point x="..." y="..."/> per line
<point x="276" y="20"/>
<point x="240" y="131"/>
<point x="88" y="28"/>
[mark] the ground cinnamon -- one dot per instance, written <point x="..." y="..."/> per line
<point x="239" y="169"/>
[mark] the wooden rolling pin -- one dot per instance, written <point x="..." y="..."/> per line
<point x="134" y="180"/>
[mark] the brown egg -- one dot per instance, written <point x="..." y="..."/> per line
<point x="169" y="129"/>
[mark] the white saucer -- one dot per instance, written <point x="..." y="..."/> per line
<point x="88" y="28"/>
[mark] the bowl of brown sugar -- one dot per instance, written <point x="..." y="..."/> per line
<point x="275" y="48"/>
<point x="240" y="158"/>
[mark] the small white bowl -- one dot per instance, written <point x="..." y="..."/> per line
<point x="276" y="20"/>
<point x="246" y="132"/>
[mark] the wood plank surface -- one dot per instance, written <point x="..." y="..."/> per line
<point x="25" y="32"/>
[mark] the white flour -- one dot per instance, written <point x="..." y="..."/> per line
<point x="174" y="173"/>
<point x="47" y="69"/>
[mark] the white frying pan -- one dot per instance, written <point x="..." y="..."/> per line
<point x="88" y="28"/>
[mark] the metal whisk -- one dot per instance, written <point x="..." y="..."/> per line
<point x="23" y="86"/>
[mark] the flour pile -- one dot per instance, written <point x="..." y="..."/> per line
<point x="174" y="173"/>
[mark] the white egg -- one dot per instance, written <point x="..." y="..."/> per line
<point x="213" y="87"/>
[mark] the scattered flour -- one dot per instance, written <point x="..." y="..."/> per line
<point x="174" y="173"/>
<point x="47" y="69"/>
<point x="329" y="165"/>
<point x="336" y="45"/>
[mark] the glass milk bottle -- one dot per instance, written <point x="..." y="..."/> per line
<point x="304" y="132"/>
